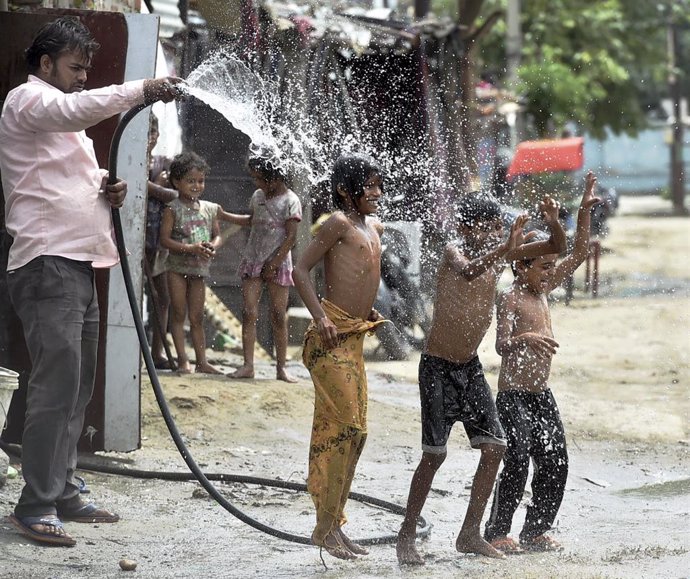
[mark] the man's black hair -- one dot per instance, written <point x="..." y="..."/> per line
<point x="66" y="34"/>
<point x="268" y="169"/>
<point x="476" y="207"/>
<point x="185" y="162"/>
<point x="350" y="172"/>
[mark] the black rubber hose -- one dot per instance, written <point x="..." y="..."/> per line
<point x="100" y="467"/>
<point x="165" y="411"/>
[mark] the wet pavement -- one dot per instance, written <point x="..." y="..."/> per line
<point x="621" y="380"/>
<point x="625" y="514"/>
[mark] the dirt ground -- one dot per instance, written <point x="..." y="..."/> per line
<point x="621" y="380"/>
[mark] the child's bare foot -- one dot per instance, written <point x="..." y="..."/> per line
<point x="333" y="546"/>
<point x="541" y="544"/>
<point x="351" y="545"/>
<point x="243" y="372"/>
<point x="281" y="374"/>
<point x="184" y="367"/>
<point x="477" y="544"/>
<point x="161" y="364"/>
<point x="206" y="368"/>
<point x="407" y="552"/>
<point x="507" y="545"/>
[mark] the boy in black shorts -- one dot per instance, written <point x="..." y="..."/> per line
<point x="452" y="384"/>
<point x="450" y="393"/>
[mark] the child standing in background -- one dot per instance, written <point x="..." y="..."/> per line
<point x="191" y="233"/>
<point x="526" y="406"/>
<point x="274" y="214"/>
<point x="159" y="194"/>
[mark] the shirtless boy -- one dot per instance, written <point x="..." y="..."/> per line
<point x="349" y="243"/>
<point x="451" y="379"/>
<point x="526" y="406"/>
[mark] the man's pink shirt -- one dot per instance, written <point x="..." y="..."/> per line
<point x="50" y="175"/>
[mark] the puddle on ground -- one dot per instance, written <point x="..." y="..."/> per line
<point x="660" y="490"/>
<point x="640" y="284"/>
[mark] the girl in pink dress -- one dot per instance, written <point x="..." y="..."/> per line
<point x="275" y="212"/>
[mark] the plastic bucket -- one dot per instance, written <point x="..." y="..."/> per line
<point x="9" y="382"/>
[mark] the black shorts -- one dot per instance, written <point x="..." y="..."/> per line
<point x="453" y="393"/>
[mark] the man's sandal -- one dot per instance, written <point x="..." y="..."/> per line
<point x="88" y="513"/>
<point x="355" y="548"/>
<point x="334" y="547"/>
<point x="25" y="524"/>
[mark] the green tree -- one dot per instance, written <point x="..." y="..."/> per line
<point x="601" y="64"/>
<point x="605" y="65"/>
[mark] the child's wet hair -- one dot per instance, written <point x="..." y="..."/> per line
<point x="476" y="207"/>
<point x="350" y="172"/>
<point x="541" y="236"/>
<point x="268" y="169"/>
<point x="184" y="163"/>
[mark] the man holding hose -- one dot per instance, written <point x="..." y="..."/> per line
<point x="57" y="211"/>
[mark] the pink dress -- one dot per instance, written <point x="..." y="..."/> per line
<point x="269" y="217"/>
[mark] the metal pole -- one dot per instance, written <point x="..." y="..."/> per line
<point x="513" y="58"/>
<point x="677" y="177"/>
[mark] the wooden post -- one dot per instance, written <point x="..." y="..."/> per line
<point x="592" y="268"/>
<point x="596" y="247"/>
<point x="677" y="177"/>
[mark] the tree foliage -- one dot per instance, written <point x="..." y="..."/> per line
<point x="601" y="64"/>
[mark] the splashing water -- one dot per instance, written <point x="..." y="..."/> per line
<point x="236" y="93"/>
<point x="246" y="100"/>
<point x="303" y="134"/>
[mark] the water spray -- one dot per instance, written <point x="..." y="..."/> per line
<point x="180" y="90"/>
<point x="198" y="474"/>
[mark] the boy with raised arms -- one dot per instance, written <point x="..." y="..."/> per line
<point x="526" y="406"/>
<point x="451" y="378"/>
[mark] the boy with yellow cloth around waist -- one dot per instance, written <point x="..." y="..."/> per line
<point x="349" y="243"/>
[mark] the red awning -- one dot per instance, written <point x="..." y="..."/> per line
<point x="546" y="156"/>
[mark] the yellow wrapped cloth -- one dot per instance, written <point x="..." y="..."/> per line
<point x="339" y="430"/>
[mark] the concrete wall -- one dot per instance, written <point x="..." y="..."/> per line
<point x="635" y="165"/>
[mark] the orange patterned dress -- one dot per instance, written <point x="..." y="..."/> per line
<point x="339" y="429"/>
